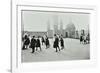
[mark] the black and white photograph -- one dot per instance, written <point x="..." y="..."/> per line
<point x="54" y="36"/>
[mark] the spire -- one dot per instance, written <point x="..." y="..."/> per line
<point x="55" y="17"/>
<point x="48" y="25"/>
<point x="61" y="25"/>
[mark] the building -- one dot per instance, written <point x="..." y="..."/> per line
<point x="36" y="34"/>
<point x="69" y="32"/>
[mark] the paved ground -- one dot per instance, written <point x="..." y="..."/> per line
<point x="73" y="51"/>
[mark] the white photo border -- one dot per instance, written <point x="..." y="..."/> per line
<point x="17" y="66"/>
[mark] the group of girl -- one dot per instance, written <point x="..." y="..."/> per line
<point x="35" y="43"/>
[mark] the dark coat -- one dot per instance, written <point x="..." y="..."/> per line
<point x="62" y="42"/>
<point x="56" y="43"/>
<point x="81" y="38"/>
<point x="43" y="39"/>
<point x="27" y="41"/>
<point x="47" y="42"/>
<point x="33" y="43"/>
<point x="38" y="44"/>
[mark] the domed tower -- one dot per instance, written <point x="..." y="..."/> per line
<point x="70" y="30"/>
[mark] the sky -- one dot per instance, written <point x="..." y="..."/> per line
<point x="38" y="20"/>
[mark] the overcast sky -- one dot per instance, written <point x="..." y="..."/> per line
<point x="38" y="20"/>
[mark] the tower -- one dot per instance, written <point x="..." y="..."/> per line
<point x="48" y="25"/>
<point x="49" y="31"/>
<point x="55" y="19"/>
<point x="61" y="28"/>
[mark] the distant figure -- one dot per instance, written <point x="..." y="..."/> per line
<point x="62" y="42"/>
<point x="38" y="44"/>
<point x="56" y="43"/>
<point x="84" y="39"/>
<point x="81" y="38"/>
<point x="24" y="37"/>
<point x="88" y="39"/>
<point x="23" y="40"/>
<point x="26" y="42"/>
<point x="47" y="42"/>
<point x="43" y="40"/>
<point x="33" y="44"/>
